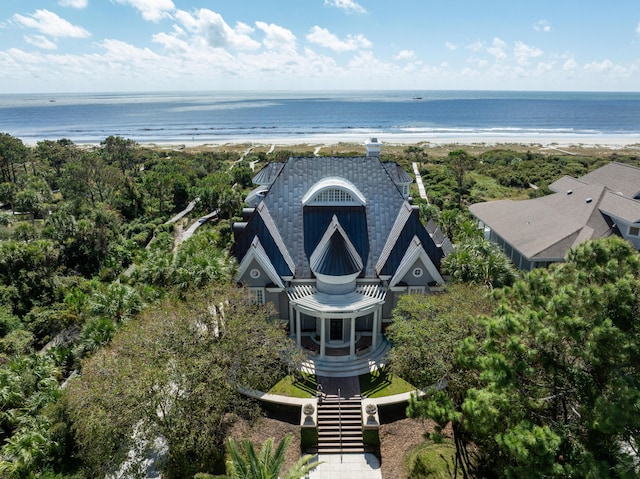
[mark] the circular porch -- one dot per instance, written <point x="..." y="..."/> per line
<point x="336" y="325"/>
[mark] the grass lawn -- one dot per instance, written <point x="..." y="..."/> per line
<point x="487" y="189"/>
<point x="432" y="461"/>
<point x="381" y="383"/>
<point x="293" y="387"/>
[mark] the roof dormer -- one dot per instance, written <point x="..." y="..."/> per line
<point x="334" y="191"/>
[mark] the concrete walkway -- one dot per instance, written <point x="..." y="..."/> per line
<point x="347" y="466"/>
<point x="196" y="224"/>
<point x="423" y="192"/>
<point x="183" y="213"/>
<point x="349" y="386"/>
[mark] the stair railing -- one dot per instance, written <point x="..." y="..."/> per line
<point x="340" y="421"/>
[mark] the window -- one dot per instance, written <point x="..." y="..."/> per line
<point x="415" y="289"/>
<point x="334" y="195"/>
<point x="634" y="231"/>
<point x="254" y="273"/>
<point x="334" y="190"/>
<point x="417" y="272"/>
<point x="257" y="295"/>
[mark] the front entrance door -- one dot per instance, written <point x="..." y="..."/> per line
<point x="335" y="330"/>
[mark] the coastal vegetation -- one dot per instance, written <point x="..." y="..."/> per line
<point x="119" y="339"/>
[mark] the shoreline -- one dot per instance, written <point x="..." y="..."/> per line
<point x="438" y="140"/>
<point x="547" y="141"/>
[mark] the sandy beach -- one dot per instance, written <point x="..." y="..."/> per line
<point x="586" y="144"/>
<point x="409" y="139"/>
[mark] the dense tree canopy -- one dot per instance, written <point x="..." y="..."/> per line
<point x="177" y="366"/>
<point x="559" y="385"/>
<point x="426" y="332"/>
<point x="74" y="220"/>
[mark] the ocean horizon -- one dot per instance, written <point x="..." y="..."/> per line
<point x="316" y="116"/>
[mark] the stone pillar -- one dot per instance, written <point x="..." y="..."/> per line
<point x="352" y="340"/>
<point x="298" y="330"/>
<point x="323" y="338"/>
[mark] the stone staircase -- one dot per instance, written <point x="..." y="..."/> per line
<point x="340" y="426"/>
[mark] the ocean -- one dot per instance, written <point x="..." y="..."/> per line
<point x="220" y="117"/>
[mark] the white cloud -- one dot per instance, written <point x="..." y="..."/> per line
<point x="405" y="55"/>
<point x="638" y="29"/>
<point x="74" y="3"/>
<point x="152" y="10"/>
<point x="476" y="46"/>
<point x="542" y="26"/>
<point x="600" y="67"/>
<point x="277" y="37"/>
<point x="48" y="23"/>
<point x="366" y="61"/>
<point x="172" y="41"/>
<point x="40" y="42"/>
<point x="450" y="46"/>
<point x="497" y="49"/>
<point x="324" y="38"/>
<point x="608" y="69"/>
<point x="348" y="6"/>
<point x="570" y="64"/>
<point x="209" y="27"/>
<point x="523" y="53"/>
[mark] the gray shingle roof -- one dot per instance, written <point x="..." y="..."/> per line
<point x="284" y="201"/>
<point x="546" y="227"/>
<point x="618" y="177"/>
<point x="268" y="174"/>
<point x="397" y="173"/>
<point x="581" y="209"/>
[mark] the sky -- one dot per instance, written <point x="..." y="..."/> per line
<point x="418" y="45"/>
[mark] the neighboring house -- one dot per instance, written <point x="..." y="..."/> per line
<point x="540" y="231"/>
<point x="332" y="243"/>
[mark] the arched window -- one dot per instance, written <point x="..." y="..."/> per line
<point x="333" y="195"/>
<point x="334" y="191"/>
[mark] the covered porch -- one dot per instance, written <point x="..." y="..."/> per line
<point x="336" y="325"/>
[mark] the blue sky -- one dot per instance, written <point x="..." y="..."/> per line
<point x="150" y="45"/>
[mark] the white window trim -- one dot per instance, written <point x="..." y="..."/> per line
<point x="258" y="295"/>
<point x="415" y="289"/>
<point x="344" y="187"/>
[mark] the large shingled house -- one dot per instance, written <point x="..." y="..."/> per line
<point x="535" y="233"/>
<point x="332" y="243"/>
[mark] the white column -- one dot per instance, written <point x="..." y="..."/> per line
<point x="292" y="321"/>
<point x="352" y="340"/>
<point x="298" y="335"/>
<point x="323" y="338"/>
<point x="374" y="330"/>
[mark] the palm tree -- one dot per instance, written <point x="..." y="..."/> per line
<point x="245" y="463"/>
<point x="95" y="334"/>
<point x="479" y="261"/>
<point x="117" y="301"/>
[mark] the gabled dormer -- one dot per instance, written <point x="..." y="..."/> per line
<point x="335" y="262"/>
